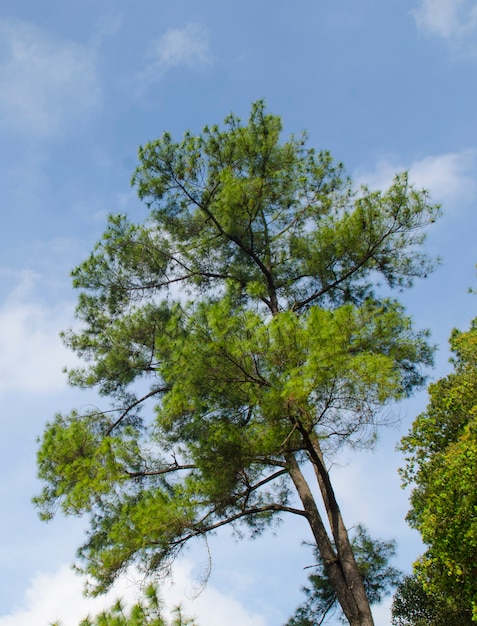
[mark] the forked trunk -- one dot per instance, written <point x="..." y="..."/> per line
<point x="338" y="559"/>
<point x="338" y="528"/>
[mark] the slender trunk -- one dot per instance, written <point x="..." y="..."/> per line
<point x="337" y="565"/>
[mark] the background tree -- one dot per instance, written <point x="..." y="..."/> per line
<point x="245" y="308"/>
<point x="414" y="606"/>
<point x="441" y="464"/>
<point x="146" y="612"/>
<point x="372" y="558"/>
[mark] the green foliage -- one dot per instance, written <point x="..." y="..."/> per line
<point x="379" y="578"/>
<point x="146" y="612"/>
<point x="414" y="606"/>
<point x="245" y="314"/>
<point x="442" y="465"/>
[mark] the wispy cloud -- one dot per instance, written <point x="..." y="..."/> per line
<point x="32" y="356"/>
<point x="187" y="47"/>
<point x="450" y="19"/>
<point x="46" y="85"/>
<point x="450" y="178"/>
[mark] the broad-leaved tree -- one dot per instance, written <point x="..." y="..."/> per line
<point x="441" y="465"/>
<point x="414" y="606"/>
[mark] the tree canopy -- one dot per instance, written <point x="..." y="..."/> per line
<point x="441" y="465"/>
<point x="414" y="606"/>
<point x="246" y="308"/>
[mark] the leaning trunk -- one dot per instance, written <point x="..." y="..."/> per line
<point x="338" y="559"/>
<point x="339" y="531"/>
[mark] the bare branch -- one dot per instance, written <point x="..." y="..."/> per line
<point x="152" y="393"/>
<point x="174" y="467"/>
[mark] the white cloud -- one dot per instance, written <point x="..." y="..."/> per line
<point x="44" y="83"/>
<point x="31" y="353"/>
<point x="186" y="46"/>
<point x="210" y="607"/>
<point x="52" y="597"/>
<point x="58" y="596"/>
<point x="450" y="178"/>
<point x="449" y="19"/>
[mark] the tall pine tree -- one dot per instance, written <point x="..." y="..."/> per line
<point x="246" y="308"/>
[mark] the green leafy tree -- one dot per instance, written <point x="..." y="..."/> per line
<point x="372" y="558"/>
<point x="441" y="464"/>
<point x="414" y="606"/>
<point x="245" y="308"/>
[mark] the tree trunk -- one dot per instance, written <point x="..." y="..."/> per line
<point x="339" y="563"/>
<point x="339" y="530"/>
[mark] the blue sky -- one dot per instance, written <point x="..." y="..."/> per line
<point x="385" y="86"/>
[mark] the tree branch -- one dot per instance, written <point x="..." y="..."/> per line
<point x="369" y="255"/>
<point x="152" y="393"/>
<point x="165" y="470"/>
<point x="272" y="508"/>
